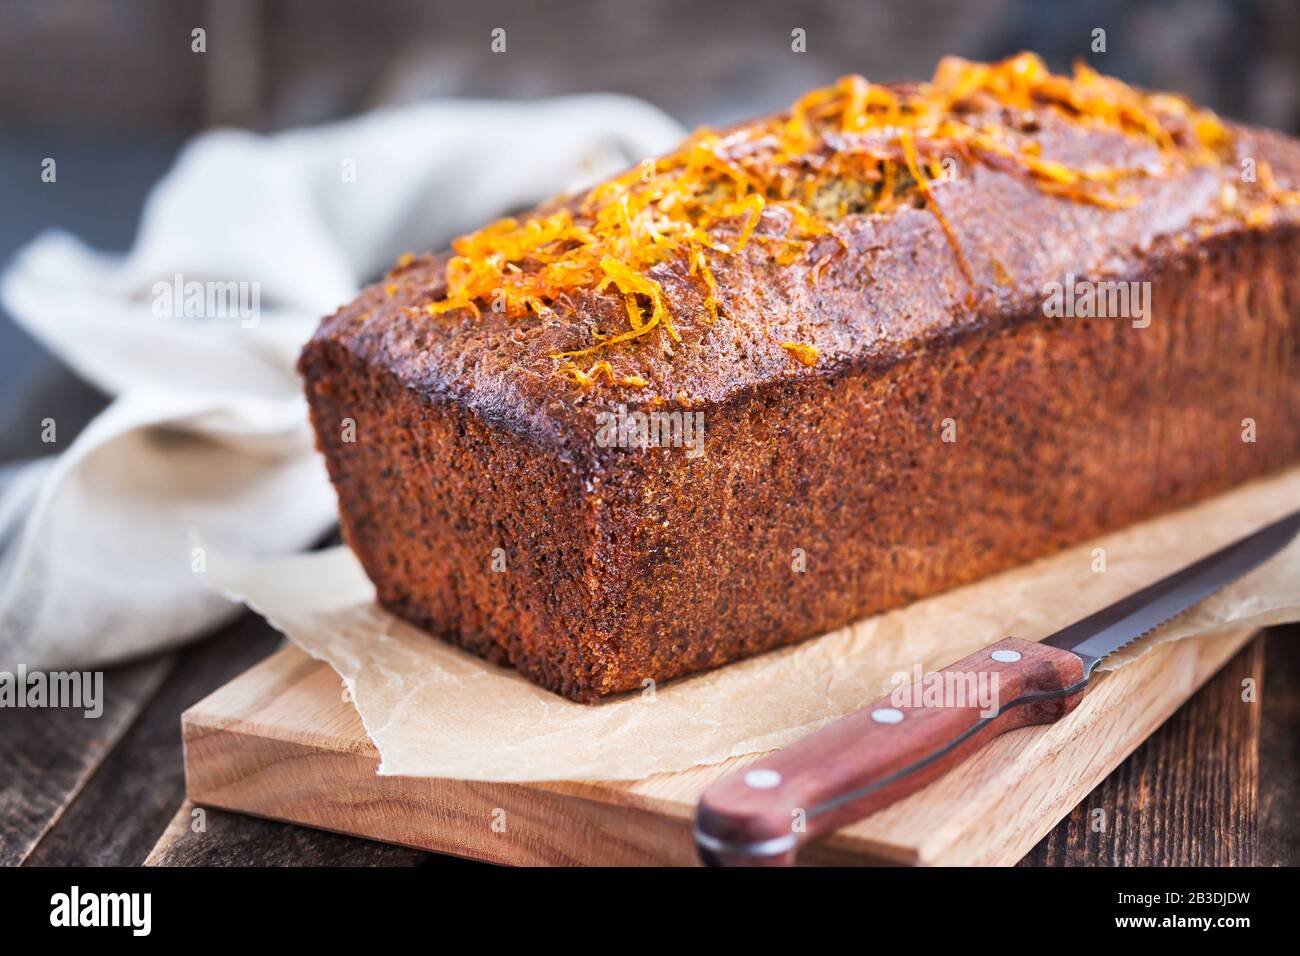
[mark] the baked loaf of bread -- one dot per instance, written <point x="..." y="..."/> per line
<point x="814" y="367"/>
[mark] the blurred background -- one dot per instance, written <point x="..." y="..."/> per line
<point x="113" y="87"/>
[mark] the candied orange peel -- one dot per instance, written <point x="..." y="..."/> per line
<point x="850" y="148"/>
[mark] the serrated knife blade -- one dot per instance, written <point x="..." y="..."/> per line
<point x="1111" y="628"/>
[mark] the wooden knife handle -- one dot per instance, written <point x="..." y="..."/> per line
<point x="762" y="813"/>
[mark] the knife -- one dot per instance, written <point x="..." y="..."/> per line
<point x="761" y="814"/>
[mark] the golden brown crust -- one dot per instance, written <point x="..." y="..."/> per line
<point x="899" y="285"/>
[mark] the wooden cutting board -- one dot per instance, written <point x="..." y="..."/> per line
<point x="282" y="741"/>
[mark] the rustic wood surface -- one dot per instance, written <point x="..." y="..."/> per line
<point x="117" y="814"/>
<point x="80" y="791"/>
<point x="280" y="742"/>
<point x="1278" y="820"/>
<point x="1218" y="782"/>
<point x="201" y="836"/>
<point x="1190" y="795"/>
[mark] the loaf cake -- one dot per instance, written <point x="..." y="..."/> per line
<point x="816" y="366"/>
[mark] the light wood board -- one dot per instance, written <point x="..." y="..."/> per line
<point x="281" y="741"/>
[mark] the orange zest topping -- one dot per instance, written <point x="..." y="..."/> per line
<point x="1288" y="197"/>
<point x="802" y="353"/>
<point x="700" y="267"/>
<point x="437" y="308"/>
<point x="774" y="188"/>
<point x="599" y="369"/>
<point x="909" y="157"/>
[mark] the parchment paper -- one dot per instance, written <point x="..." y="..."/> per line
<point x="433" y="710"/>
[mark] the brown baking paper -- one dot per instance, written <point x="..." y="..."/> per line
<point x="435" y="711"/>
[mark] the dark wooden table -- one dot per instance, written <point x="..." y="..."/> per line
<point x="1217" y="785"/>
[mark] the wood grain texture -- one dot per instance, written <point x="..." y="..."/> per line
<point x="47" y="756"/>
<point x="198" y="836"/>
<point x="1278" y="831"/>
<point x="116" y="816"/>
<point x="1187" y="797"/>
<point x="280" y="742"/>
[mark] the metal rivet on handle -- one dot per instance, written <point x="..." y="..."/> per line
<point x="1005" y="657"/>
<point x="761" y="779"/>
<point x="887" y="715"/>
